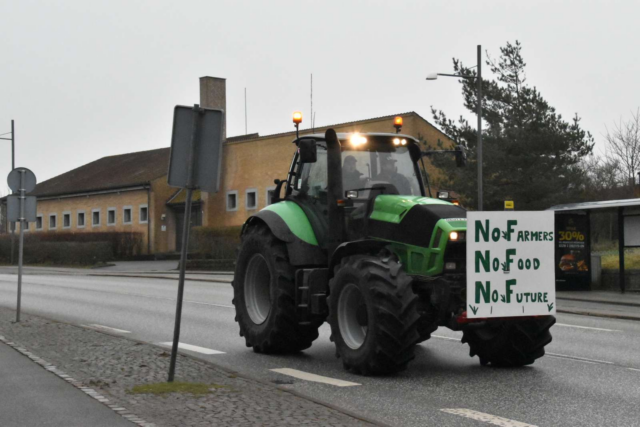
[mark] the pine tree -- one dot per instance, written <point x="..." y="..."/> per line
<point x="530" y="153"/>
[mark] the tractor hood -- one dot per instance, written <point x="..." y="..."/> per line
<point x="413" y="219"/>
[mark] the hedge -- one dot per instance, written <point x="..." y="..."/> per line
<point x="73" y="248"/>
<point x="59" y="253"/>
<point x="215" y="242"/>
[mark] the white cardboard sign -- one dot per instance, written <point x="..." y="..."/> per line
<point x="510" y="264"/>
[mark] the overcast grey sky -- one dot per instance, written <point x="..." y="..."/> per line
<point x="87" y="79"/>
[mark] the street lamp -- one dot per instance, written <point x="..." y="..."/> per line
<point x="434" y="76"/>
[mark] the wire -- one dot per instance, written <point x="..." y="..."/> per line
<point x="5" y="133"/>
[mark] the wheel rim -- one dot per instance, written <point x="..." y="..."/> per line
<point x="352" y="316"/>
<point x="257" y="287"/>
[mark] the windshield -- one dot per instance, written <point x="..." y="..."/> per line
<point x="388" y="168"/>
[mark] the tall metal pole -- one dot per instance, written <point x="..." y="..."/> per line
<point x="20" y="249"/>
<point x="12" y="225"/>
<point x="185" y="242"/>
<point x="479" y="96"/>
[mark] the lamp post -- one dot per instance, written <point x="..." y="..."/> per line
<point x="434" y="76"/>
<point x="12" y="226"/>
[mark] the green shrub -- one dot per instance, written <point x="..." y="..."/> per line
<point x="58" y="253"/>
<point x="215" y="242"/>
<point x="101" y="246"/>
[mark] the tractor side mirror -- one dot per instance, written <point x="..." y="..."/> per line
<point x="308" y="151"/>
<point x="461" y="156"/>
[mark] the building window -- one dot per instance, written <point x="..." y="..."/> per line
<point x="26" y="226"/>
<point x="53" y="221"/>
<point x="95" y="218"/>
<point x="39" y="222"/>
<point x="144" y="214"/>
<point x="111" y="216"/>
<point x="80" y="223"/>
<point x="66" y="219"/>
<point x="252" y="199"/>
<point x="126" y="215"/>
<point x="232" y="200"/>
<point x="270" y="192"/>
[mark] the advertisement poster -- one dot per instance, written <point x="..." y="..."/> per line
<point x="510" y="264"/>
<point x="572" y="251"/>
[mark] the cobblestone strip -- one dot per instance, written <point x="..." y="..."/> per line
<point x="107" y="367"/>
<point x="78" y="384"/>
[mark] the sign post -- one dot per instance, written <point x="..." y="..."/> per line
<point x="511" y="268"/>
<point x="196" y="154"/>
<point x="21" y="209"/>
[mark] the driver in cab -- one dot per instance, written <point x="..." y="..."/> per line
<point x="351" y="177"/>
<point x="390" y="174"/>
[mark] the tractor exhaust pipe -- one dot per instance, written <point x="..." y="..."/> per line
<point x="335" y="196"/>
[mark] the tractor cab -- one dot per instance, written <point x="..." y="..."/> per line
<point x="368" y="165"/>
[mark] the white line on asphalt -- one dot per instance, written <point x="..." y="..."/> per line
<point x="487" y="418"/>
<point x="195" y="348"/>
<point x="633" y="369"/>
<point x="582" y="359"/>
<point x="106" y="328"/>
<point x="587" y="327"/>
<point x="313" y="377"/>
<point x="445" y="338"/>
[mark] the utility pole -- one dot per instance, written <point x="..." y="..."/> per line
<point x="12" y="225"/>
<point x="479" y="96"/>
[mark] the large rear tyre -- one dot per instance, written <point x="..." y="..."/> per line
<point x="264" y="296"/>
<point x="510" y="342"/>
<point x="373" y="316"/>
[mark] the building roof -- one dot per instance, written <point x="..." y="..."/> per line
<point x="108" y="173"/>
<point x="606" y="204"/>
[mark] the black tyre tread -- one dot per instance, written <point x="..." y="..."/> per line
<point x="510" y="343"/>
<point x="395" y="314"/>
<point x="284" y="335"/>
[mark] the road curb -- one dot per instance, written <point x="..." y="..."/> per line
<point x="629" y="304"/>
<point x="229" y="371"/>
<point x="591" y="313"/>
<point x="123" y="412"/>
<point x="158" y="277"/>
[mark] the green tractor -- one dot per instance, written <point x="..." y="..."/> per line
<point x="356" y="241"/>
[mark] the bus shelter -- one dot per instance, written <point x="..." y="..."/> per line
<point x="573" y="248"/>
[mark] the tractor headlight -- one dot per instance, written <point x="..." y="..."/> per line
<point x="456" y="236"/>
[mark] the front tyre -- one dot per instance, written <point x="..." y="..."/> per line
<point x="510" y="343"/>
<point x="373" y="315"/>
<point x="264" y="296"/>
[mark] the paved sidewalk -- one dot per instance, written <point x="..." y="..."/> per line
<point x="31" y="396"/>
<point x="600" y="303"/>
<point x="113" y="365"/>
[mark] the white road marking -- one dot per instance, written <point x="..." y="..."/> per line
<point x="582" y="359"/>
<point x="106" y="328"/>
<point x="445" y="338"/>
<point x="195" y="348"/>
<point x="313" y="377"/>
<point x="633" y="369"/>
<point x="487" y="418"/>
<point x="587" y="327"/>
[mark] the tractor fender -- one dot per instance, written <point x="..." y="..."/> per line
<point x="302" y="252"/>
<point x="365" y="246"/>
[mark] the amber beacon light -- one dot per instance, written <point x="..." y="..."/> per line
<point x="397" y="123"/>
<point x="297" y="117"/>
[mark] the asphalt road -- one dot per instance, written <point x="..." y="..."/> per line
<point x="590" y="376"/>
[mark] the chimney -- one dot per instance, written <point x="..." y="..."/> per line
<point x="213" y="94"/>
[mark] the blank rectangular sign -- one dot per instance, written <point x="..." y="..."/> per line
<point x="13" y="208"/>
<point x="207" y="151"/>
<point x="632" y="230"/>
